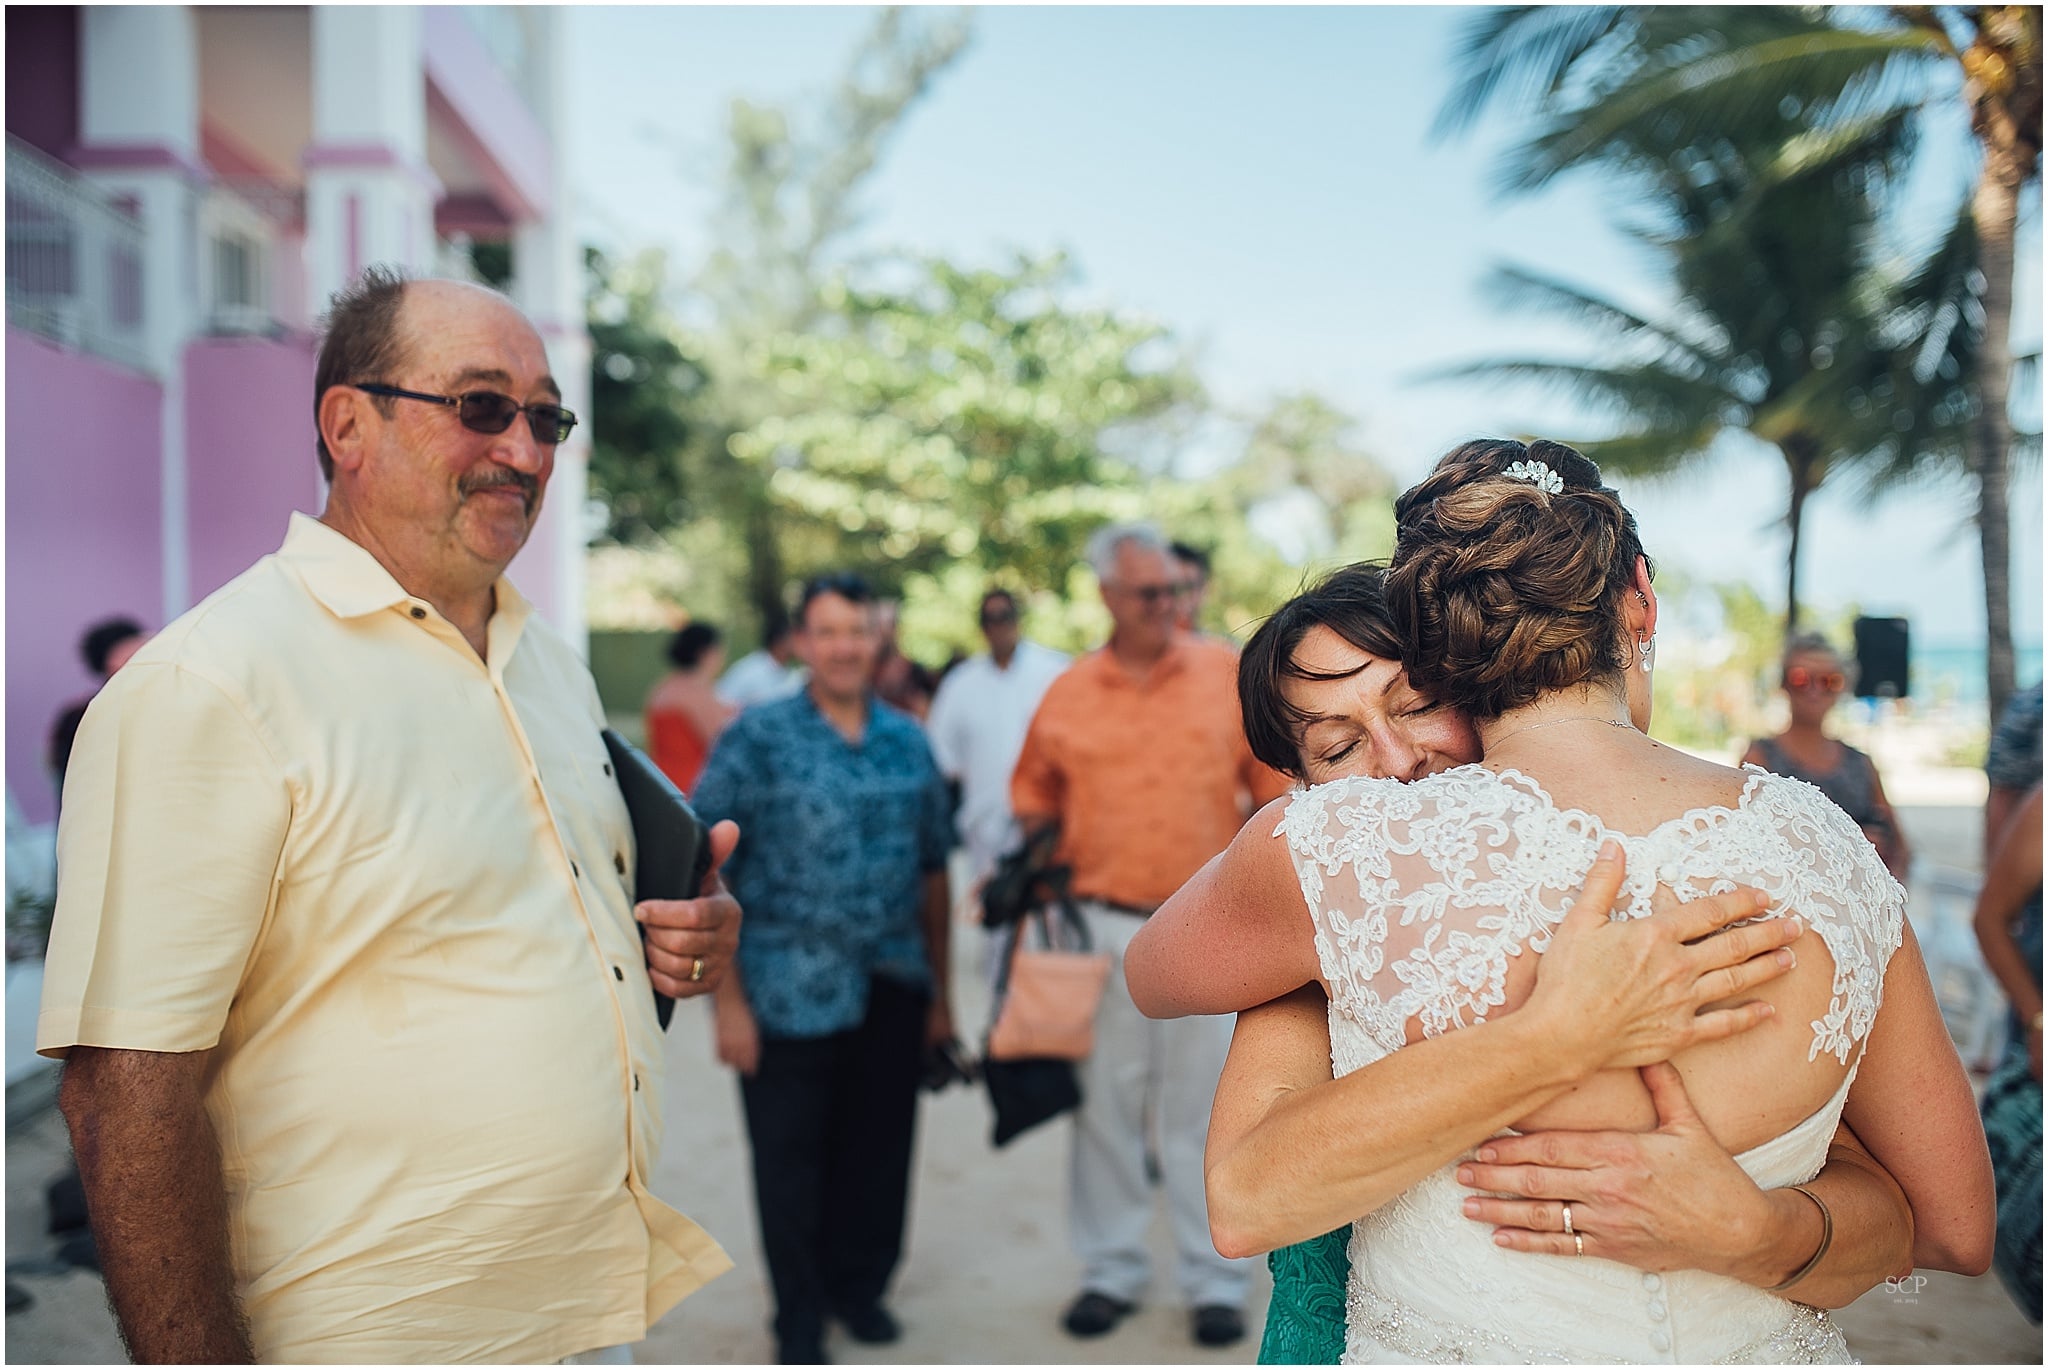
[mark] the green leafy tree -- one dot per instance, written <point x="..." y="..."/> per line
<point x="643" y="391"/>
<point x="1855" y="78"/>
<point x="941" y="417"/>
<point x="789" y="206"/>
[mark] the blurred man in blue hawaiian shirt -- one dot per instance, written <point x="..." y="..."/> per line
<point x="840" y="986"/>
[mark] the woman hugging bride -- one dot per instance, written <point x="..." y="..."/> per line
<point x="1555" y="1137"/>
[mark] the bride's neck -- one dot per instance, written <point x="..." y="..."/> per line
<point x="1570" y="717"/>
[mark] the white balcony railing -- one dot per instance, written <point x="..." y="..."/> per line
<point x="238" y="230"/>
<point x="74" y="262"/>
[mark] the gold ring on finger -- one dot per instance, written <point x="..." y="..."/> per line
<point x="696" y="969"/>
<point x="1579" y="1243"/>
<point x="1568" y="1221"/>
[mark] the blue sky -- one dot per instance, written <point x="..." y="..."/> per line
<point x="1262" y="181"/>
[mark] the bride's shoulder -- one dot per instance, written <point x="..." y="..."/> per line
<point x="1397" y="797"/>
<point x="1363" y="804"/>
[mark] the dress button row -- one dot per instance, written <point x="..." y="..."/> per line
<point x="1652" y="1283"/>
<point x="1660" y="1341"/>
<point x="1657" y="1309"/>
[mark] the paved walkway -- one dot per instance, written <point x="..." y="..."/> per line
<point x="988" y="1270"/>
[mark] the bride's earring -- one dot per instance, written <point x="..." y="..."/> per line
<point x="1645" y="646"/>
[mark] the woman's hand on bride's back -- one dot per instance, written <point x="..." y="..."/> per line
<point x="1631" y="992"/>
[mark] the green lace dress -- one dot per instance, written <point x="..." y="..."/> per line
<point x="1305" y="1320"/>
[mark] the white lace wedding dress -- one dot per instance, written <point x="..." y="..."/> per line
<point x="1420" y="894"/>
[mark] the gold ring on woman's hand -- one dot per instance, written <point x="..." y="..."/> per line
<point x="1579" y="1243"/>
<point x="696" y="969"/>
<point x="1568" y="1221"/>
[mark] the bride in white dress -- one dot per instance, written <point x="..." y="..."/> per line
<point x="1527" y="604"/>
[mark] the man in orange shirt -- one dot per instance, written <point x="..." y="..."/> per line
<point x="1138" y="754"/>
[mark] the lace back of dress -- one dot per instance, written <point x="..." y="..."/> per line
<point x="1423" y="895"/>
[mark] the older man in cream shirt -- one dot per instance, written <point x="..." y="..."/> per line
<point x="363" y="1059"/>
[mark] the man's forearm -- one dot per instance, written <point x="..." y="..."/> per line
<point x="151" y="1168"/>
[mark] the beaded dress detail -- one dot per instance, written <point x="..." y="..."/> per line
<point x="1421" y="893"/>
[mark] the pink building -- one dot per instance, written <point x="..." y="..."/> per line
<point x="185" y="187"/>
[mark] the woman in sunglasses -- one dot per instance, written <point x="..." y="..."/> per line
<point x="1814" y="679"/>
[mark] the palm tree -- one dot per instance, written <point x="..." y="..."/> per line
<point x="1776" y="333"/>
<point x="1727" y="73"/>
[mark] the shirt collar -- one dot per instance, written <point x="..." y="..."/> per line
<point x="1178" y="649"/>
<point x="340" y="573"/>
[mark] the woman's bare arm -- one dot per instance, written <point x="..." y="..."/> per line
<point x="1234" y="936"/>
<point x="1674" y="1199"/>
<point x="2010" y="879"/>
<point x="1912" y="1107"/>
<point x="1667" y="1200"/>
<point x="1895" y="851"/>
<point x="1287" y="1161"/>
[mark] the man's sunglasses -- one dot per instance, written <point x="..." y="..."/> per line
<point x="1830" y="682"/>
<point x="1149" y="595"/>
<point x="487" y="411"/>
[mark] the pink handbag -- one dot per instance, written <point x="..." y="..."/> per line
<point x="1049" y="997"/>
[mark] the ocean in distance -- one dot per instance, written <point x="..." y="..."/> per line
<point x="1955" y="674"/>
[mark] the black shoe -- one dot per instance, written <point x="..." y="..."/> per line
<point x="1094" y="1314"/>
<point x="874" y="1325"/>
<point x="1217" y="1324"/>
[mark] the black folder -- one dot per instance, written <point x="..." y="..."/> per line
<point x="671" y="844"/>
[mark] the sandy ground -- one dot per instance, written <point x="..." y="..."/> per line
<point x="988" y="1270"/>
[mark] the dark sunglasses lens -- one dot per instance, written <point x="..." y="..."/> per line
<point x="551" y="423"/>
<point x="485" y="412"/>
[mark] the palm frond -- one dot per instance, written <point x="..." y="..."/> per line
<point x="1645" y="396"/>
<point x="1737" y="96"/>
<point x="1516" y="287"/>
<point x="1652" y="452"/>
<point x="1515" y="53"/>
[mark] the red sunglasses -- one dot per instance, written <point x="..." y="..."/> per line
<point x="1828" y="682"/>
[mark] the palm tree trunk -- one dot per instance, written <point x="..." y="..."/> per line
<point x="1995" y="207"/>
<point x="1800" y="467"/>
<point x="2002" y="85"/>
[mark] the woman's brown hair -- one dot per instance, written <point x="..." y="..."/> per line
<point x="1503" y="589"/>
<point x="1351" y="602"/>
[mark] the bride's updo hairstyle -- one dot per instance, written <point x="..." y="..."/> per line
<point x="1504" y="588"/>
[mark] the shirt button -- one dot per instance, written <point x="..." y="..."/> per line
<point x="1652" y="1283"/>
<point x="575" y="870"/>
<point x="619" y="862"/>
<point x="607" y="768"/>
<point x="618" y="973"/>
<point x="418" y="612"/>
<point x="1660" y="1341"/>
<point x="636" y="1084"/>
<point x="1657" y="1309"/>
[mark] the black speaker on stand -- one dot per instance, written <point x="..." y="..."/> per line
<point x="1881" y="658"/>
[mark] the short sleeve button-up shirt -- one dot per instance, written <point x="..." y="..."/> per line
<point x="835" y="839"/>
<point x="382" y="879"/>
<point x="1148" y="778"/>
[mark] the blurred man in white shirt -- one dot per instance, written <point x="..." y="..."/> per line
<point x="977" y="726"/>
<point x="764" y="673"/>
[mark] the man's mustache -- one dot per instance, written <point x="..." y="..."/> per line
<point x="491" y="480"/>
